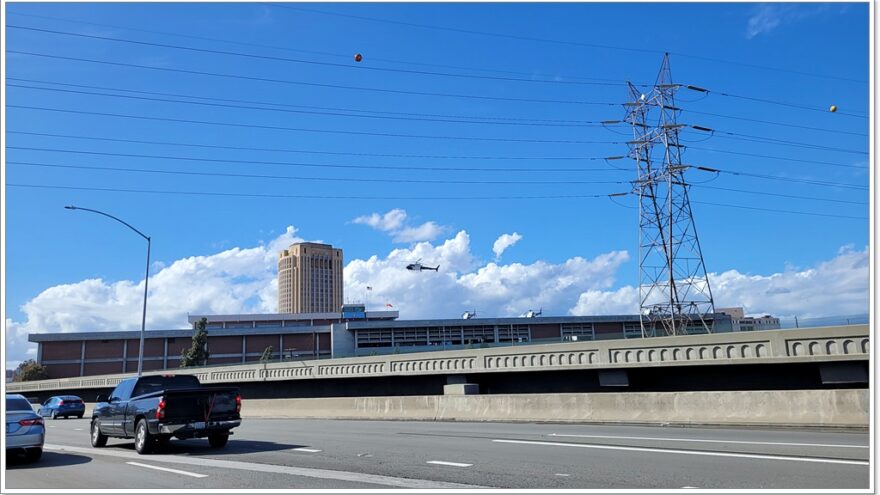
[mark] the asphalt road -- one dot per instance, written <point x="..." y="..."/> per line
<point x="317" y="454"/>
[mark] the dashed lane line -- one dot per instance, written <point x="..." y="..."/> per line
<point x="168" y="470"/>
<point x="447" y="463"/>
<point x="700" y="440"/>
<point x="374" y="479"/>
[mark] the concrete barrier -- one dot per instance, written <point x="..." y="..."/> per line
<point x="824" y="408"/>
<point x="807" y="408"/>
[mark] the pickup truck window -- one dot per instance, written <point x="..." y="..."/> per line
<point x="149" y="384"/>
<point x="123" y="390"/>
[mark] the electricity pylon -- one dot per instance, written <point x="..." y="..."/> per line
<point x="674" y="293"/>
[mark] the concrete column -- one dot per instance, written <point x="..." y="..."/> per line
<point x="40" y="352"/>
<point x="165" y="355"/>
<point x="244" y="349"/>
<point x="496" y="334"/>
<point x="280" y="346"/>
<point x="82" y="359"/>
<point x="458" y="385"/>
<point x="124" y="356"/>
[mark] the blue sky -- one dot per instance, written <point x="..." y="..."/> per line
<point x="819" y="52"/>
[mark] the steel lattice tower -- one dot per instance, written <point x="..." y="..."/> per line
<point x="674" y="293"/>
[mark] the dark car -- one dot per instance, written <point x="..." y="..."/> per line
<point x="153" y="409"/>
<point x="63" y="405"/>
<point x="25" y="432"/>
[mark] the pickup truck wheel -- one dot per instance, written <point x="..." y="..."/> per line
<point x="98" y="439"/>
<point x="218" y="440"/>
<point x="143" y="440"/>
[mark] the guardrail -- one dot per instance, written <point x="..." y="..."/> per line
<point x="769" y="346"/>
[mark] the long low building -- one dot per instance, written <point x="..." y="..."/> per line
<point x="235" y="339"/>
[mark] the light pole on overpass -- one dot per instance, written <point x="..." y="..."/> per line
<point x="146" y="281"/>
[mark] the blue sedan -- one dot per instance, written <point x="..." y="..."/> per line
<point x="63" y="405"/>
<point x="25" y="432"/>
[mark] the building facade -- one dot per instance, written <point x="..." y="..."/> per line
<point x="742" y="323"/>
<point x="236" y="339"/>
<point x="310" y="278"/>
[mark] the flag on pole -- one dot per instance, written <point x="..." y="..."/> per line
<point x="389" y="305"/>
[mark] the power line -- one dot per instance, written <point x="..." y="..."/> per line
<point x="314" y="165"/>
<point x="765" y="193"/>
<point x="784" y="179"/>
<point x="833" y="164"/>
<point x="783" y="124"/>
<point x="306" y="196"/>
<point x="324" y="152"/>
<point x="336" y="114"/>
<point x="288" y="105"/>
<point x="298" y="50"/>
<point x="561" y="42"/>
<point x="403" y="181"/>
<point x="305" y="83"/>
<point x="775" y="210"/>
<point x="386" y="167"/>
<point x="392" y="155"/>
<point x="319" y="179"/>
<point x="304" y="129"/>
<point x="396" y="198"/>
<point x="779" y="142"/>
<point x="312" y="62"/>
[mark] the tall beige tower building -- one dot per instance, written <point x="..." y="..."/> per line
<point x="310" y="279"/>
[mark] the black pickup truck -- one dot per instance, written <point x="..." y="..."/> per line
<point x="152" y="409"/>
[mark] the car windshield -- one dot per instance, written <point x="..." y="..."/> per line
<point x="18" y="404"/>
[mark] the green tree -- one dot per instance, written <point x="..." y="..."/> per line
<point x="197" y="354"/>
<point x="267" y="355"/>
<point x="30" y="370"/>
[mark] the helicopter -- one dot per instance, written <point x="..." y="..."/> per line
<point x="532" y="313"/>
<point x="469" y="314"/>
<point x="418" y="266"/>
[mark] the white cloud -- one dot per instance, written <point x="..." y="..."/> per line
<point x="464" y="283"/>
<point x="503" y="242"/>
<point x="243" y="280"/>
<point x="835" y="287"/>
<point x="388" y="222"/>
<point x="768" y="17"/>
<point x="427" y="231"/>
<point x="393" y="223"/>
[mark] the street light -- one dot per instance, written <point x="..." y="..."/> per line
<point x="146" y="280"/>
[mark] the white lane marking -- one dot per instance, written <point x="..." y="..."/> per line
<point x="303" y="449"/>
<point x="712" y="441"/>
<point x="687" y="452"/>
<point x="447" y="463"/>
<point x="176" y="471"/>
<point x="562" y="474"/>
<point x="375" y="479"/>
<point x="688" y="487"/>
<point x="78" y="429"/>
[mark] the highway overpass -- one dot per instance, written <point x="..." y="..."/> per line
<point x="813" y="376"/>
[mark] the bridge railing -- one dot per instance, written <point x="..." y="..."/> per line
<point x="840" y="343"/>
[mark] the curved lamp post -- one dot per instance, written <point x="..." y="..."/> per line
<point x="146" y="280"/>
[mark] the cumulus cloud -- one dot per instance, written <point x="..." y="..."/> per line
<point x="394" y="223"/>
<point x="388" y="222"/>
<point x="503" y="242"/>
<point x="243" y="280"/>
<point x="835" y="287"/>
<point x="463" y="282"/>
